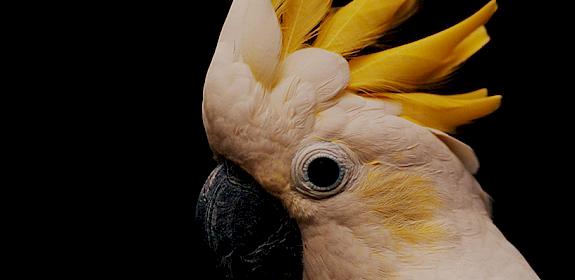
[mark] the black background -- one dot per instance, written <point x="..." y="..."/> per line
<point x="139" y="156"/>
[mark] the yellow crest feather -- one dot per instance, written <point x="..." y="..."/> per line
<point x="427" y="61"/>
<point x="445" y="112"/>
<point x="360" y="23"/>
<point x="277" y="3"/>
<point x="280" y="8"/>
<point x="298" y="21"/>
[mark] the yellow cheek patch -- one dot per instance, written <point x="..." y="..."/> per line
<point x="407" y="204"/>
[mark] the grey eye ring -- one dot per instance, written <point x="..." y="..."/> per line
<point x="322" y="170"/>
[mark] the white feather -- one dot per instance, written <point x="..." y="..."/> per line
<point x="460" y="149"/>
<point x="326" y="71"/>
<point x="261" y="40"/>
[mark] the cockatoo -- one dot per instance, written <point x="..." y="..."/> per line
<point x="337" y="165"/>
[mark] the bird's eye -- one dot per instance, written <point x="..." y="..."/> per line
<point x="323" y="173"/>
<point x="322" y="170"/>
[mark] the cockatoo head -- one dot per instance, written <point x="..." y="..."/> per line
<point x="353" y="149"/>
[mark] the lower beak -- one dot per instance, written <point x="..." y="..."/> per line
<point x="248" y="230"/>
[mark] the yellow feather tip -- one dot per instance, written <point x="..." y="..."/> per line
<point x="444" y="112"/>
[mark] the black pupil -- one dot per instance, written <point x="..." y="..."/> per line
<point x="323" y="172"/>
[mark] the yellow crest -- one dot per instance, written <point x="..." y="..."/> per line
<point x="400" y="73"/>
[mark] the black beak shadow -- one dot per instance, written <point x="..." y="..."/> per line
<point x="248" y="230"/>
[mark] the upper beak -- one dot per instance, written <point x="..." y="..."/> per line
<point x="249" y="231"/>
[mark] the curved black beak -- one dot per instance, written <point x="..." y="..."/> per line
<point x="248" y="230"/>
